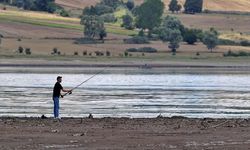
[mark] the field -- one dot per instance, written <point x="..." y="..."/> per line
<point x="42" y="32"/>
<point x="215" y="5"/>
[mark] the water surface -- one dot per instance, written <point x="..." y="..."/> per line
<point x="125" y="95"/>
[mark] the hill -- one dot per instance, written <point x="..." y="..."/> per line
<point x="215" y="5"/>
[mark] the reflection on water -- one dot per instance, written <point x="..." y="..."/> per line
<point x="122" y="95"/>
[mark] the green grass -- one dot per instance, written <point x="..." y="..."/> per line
<point x="62" y="23"/>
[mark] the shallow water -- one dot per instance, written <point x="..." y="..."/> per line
<point x="125" y="95"/>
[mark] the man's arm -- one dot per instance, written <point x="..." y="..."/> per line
<point x="66" y="90"/>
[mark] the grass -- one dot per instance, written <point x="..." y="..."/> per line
<point x="54" y="21"/>
<point x="235" y="36"/>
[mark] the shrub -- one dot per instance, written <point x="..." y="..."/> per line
<point x="132" y="50"/>
<point x="54" y="51"/>
<point x="20" y="49"/>
<point x="190" y="36"/>
<point x="86" y="41"/>
<point x="19" y="39"/>
<point x="127" y="22"/>
<point x="126" y="54"/>
<point x="85" y="53"/>
<point x="227" y="42"/>
<point x="108" y="53"/>
<point x="98" y="53"/>
<point x="75" y="53"/>
<point x="236" y="54"/>
<point x="245" y="43"/>
<point x="27" y="51"/>
<point x="143" y="49"/>
<point x="137" y="40"/>
<point x="64" y="13"/>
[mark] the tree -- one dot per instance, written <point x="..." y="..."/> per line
<point x="210" y="39"/>
<point x="174" y="38"/>
<point x="193" y="6"/>
<point x="127" y="22"/>
<point x="170" y="31"/>
<point x="93" y="27"/>
<point x="98" y="10"/>
<point x="103" y="9"/>
<point x="190" y="36"/>
<point x="130" y="4"/>
<point x="111" y="3"/>
<point x="148" y="15"/>
<point x="174" y="6"/>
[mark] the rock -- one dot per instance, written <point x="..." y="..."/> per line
<point x="90" y="116"/>
<point x="54" y="131"/>
<point x="73" y="141"/>
<point x="43" y="117"/>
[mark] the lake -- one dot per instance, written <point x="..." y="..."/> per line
<point x="128" y="95"/>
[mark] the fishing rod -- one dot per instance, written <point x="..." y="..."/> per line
<point x="82" y="83"/>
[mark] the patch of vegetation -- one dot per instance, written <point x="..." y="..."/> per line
<point x="137" y="40"/>
<point x="64" y="13"/>
<point x="193" y="6"/>
<point x="143" y="49"/>
<point x="87" y="41"/>
<point x="236" y="54"/>
<point x="245" y="43"/>
<point x="20" y="50"/>
<point x="227" y="42"/>
<point x="110" y="18"/>
<point x="27" y="51"/>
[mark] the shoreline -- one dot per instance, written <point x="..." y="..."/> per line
<point x="122" y="68"/>
<point x="124" y="133"/>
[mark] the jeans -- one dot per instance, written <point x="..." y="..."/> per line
<point x="56" y="106"/>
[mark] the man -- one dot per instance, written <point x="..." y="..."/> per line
<point x="57" y="94"/>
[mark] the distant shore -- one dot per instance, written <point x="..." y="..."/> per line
<point x="124" y="133"/>
<point x="44" y="66"/>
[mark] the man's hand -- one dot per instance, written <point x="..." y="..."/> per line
<point x="70" y="92"/>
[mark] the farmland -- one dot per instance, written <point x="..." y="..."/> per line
<point x="42" y="32"/>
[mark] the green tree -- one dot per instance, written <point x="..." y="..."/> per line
<point x="111" y="3"/>
<point x="148" y="15"/>
<point x="193" y="6"/>
<point x="210" y="39"/>
<point x="130" y="4"/>
<point x="93" y="27"/>
<point x="190" y="36"/>
<point x="127" y="22"/>
<point x="45" y="5"/>
<point x="170" y="31"/>
<point x="174" y="6"/>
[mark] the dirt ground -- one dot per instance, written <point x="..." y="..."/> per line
<point x="109" y="133"/>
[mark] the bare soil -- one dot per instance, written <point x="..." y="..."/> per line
<point x="124" y="133"/>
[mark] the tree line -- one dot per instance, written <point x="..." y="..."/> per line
<point x="148" y="17"/>
<point x="34" y="5"/>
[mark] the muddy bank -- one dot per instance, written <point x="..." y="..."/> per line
<point x="124" y="133"/>
<point x="120" y="67"/>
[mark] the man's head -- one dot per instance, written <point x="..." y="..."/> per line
<point x="59" y="79"/>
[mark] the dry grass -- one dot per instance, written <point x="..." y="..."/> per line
<point x="235" y="36"/>
<point x="216" y="5"/>
<point x="222" y="22"/>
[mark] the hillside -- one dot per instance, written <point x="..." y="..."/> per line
<point x="216" y="5"/>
